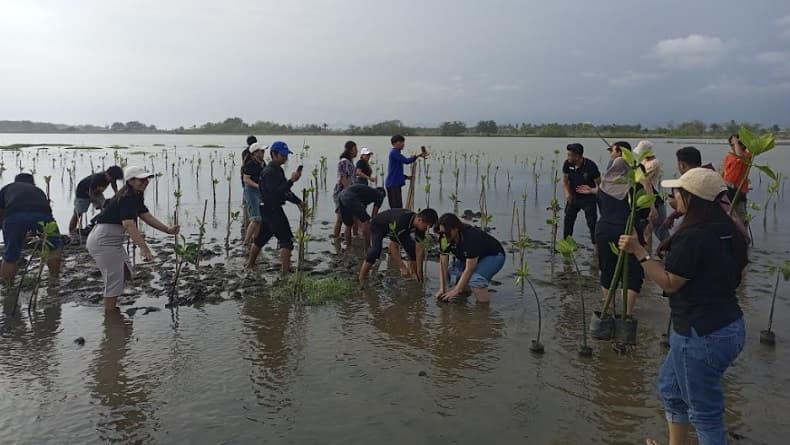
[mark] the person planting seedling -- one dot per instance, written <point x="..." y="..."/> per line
<point x="352" y="206"/>
<point x="90" y="190"/>
<point x="478" y="257"/>
<point x="398" y="225"/>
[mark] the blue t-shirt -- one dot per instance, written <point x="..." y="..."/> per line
<point x="395" y="176"/>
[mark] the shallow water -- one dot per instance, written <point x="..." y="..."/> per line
<point x="388" y="364"/>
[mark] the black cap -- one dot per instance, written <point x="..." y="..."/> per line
<point x="251" y="140"/>
<point x="25" y="177"/>
<point x="115" y="172"/>
<point x="576" y="148"/>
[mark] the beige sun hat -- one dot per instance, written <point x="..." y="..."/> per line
<point x="700" y="182"/>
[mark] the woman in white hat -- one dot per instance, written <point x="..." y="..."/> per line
<point x="704" y="261"/>
<point x="105" y="242"/>
<point x="364" y="173"/>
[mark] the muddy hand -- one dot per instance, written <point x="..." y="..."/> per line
<point x="146" y="254"/>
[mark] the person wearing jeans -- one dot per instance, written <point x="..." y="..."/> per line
<point x="704" y="260"/>
<point x="478" y="257"/>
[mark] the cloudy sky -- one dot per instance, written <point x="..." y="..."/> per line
<point x="172" y="63"/>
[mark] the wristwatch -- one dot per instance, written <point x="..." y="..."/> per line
<point x="647" y="257"/>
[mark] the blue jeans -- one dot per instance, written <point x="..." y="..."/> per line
<point x="253" y="198"/>
<point x="486" y="268"/>
<point x="15" y="229"/>
<point x="690" y="379"/>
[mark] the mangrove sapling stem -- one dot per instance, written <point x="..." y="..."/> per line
<point x="773" y="302"/>
<point x="202" y="232"/>
<point x="536" y="345"/>
<point x="227" y="234"/>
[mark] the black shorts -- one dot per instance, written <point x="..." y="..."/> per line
<point x="352" y="208"/>
<point x="607" y="260"/>
<point x="276" y="224"/>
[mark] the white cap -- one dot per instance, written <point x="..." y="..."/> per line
<point x="136" y="173"/>
<point x="643" y="147"/>
<point x="702" y="182"/>
<point x="257" y="146"/>
<point x="365" y="151"/>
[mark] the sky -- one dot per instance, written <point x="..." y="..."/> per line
<point x="177" y="63"/>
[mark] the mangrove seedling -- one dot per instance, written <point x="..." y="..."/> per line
<point x="522" y="276"/>
<point x="202" y="233"/>
<point x="567" y="249"/>
<point x="767" y="336"/>
<point x="43" y="243"/>
<point x="756" y="146"/>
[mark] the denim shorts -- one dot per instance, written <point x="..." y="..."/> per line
<point x="485" y="270"/>
<point x="15" y="229"/>
<point x="689" y="381"/>
<point x="253" y="198"/>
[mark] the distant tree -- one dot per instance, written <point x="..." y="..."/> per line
<point x="691" y="128"/>
<point x="715" y="128"/>
<point x="453" y="128"/>
<point x="117" y="126"/>
<point x="486" y="127"/>
<point x="325" y="126"/>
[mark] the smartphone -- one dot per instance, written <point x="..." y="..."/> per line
<point x="299" y="169"/>
<point x="424" y="151"/>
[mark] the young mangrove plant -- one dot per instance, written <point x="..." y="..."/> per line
<point x="756" y="146"/>
<point x="522" y="276"/>
<point x="302" y="238"/>
<point x="767" y="336"/>
<point x="567" y="248"/>
<point x="201" y="235"/>
<point x="485" y="217"/>
<point x="43" y="243"/>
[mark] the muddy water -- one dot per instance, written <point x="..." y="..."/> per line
<point x="388" y="364"/>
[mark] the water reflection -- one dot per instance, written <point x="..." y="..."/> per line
<point x="123" y="395"/>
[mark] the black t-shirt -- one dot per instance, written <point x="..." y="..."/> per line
<point x="122" y="208"/>
<point x="365" y="167"/>
<point x="614" y="215"/>
<point x="704" y="256"/>
<point x="584" y="175"/>
<point x="253" y="169"/>
<point x="91" y="182"/>
<point x="401" y="231"/>
<point x="275" y="189"/>
<point x="19" y="197"/>
<point x="475" y="243"/>
<point x="362" y="193"/>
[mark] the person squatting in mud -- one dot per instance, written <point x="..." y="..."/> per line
<point x="478" y="257"/>
<point x="119" y="217"/>
<point x="275" y="191"/>
<point x="398" y="225"/>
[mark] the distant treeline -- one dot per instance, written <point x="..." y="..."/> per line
<point x="235" y="125"/>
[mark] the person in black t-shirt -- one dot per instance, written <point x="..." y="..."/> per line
<point x="577" y="171"/>
<point x="23" y="206"/>
<point x="245" y="154"/>
<point x="398" y="225"/>
<point x="275" y="191"/>
<point x="251" y="174"/>
<point x="352" y="206"/>
<point x="704" y="262"/>
<point x="119" y="217"/>
<point x="364" y="173"/>
<point x="478" y="257"/>
<point x="90" y="190"/>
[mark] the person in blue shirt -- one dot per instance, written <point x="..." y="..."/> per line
<point x="395" y="177"/>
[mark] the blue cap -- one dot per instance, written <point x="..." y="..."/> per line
<point x="280" y="147"/>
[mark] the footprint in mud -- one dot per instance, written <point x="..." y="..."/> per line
<point x="145" y="310"/>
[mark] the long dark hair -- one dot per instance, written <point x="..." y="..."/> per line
<point x="349" y="150"/>
<point x="125" y="191"/>
<point x="701" y="213"/>
<point x="449" y="221"/>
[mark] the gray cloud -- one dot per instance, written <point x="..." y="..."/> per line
<point x="353" y="61"/>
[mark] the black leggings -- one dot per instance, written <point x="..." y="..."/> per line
<point x="276" y="224"/>
<point x="590" y="208"/>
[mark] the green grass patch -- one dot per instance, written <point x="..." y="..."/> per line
<point x="159" y="145"/>
<point x="316" y="291"/>
<point x="118" y="147"/>
<point x="211" y="146"/>
<point x="84" y="147"/>
<point x="137" y="153"/>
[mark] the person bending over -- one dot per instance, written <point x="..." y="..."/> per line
<point x="90" y="190"/>
<point x="352" y="206"/>
<point x="398" y="225"/>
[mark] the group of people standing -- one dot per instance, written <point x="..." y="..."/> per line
<point x="698" y="267"/>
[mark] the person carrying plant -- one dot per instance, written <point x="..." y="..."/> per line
<point x="395" y="178"/>
<point x="23" y="209"/>
<point x="578" y="170"/>
<point x="615" y="210"/>
<point x="90" y="190"/>
<point x="345" y="177"/>
<point x="352" y="205"/>
<point x="364" y="173"/>
<point x="118" y="218"/>
<point x="734" y="170"/>
<point x="704" y="261"/>
<point x="478" y="257"/>
<point x="652" y="168"/>
<point x="251" y="174"/>
<point x="275" y="190"/>
<point x="398" y="225"/>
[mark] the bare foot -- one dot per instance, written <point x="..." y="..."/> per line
<point x="651" y="442"/>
